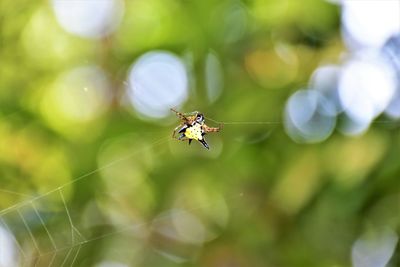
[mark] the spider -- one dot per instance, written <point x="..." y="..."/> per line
<point x="193" y="127"/>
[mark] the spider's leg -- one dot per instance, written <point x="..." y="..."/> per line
<point x="180" y="115"/>
<point x="174" y="132"/>
<point x="204" y="143"/>
<point x="211" y="129"/>
<point x="203" y="133"/>
<point x="190" y="140"/>
<point x="193" y="113"/>
<point x="183" y="129"/>
<point x="181" y="136"/>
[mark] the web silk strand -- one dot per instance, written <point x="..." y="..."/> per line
<point x="27" y="202"/>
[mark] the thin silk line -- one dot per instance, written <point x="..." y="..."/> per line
<point x="53" y="258"/>
<point x="69" y="217"/>
<point x="66" y="257"/>
<point x="14" y="193"/>
<point x="30" y="232"/>
<point x="15" y="239"/>
<point x="44" y="225"/>
<point x="76" y="255"/>
<point x="278" y="122"/>
<point x="125" y="228"/>
<point x="121" y="230"/>
<point x="72" y="225"/>
<point x="252" y="122"/>
<point x="244" y="122"/>
<point x="26" y="202"/>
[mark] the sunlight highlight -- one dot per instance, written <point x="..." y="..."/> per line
<point x="178" y="235"/>
<point x="366" y="87"/>
<point x="214" y="77"/>
<point x="157" y="81"/>
<point x="325" y="80"/>
<point x="374" y="249"/>
<point x="309" y="117"/>
<point x="367" y="23"/>
<point x="8" y="253"/>
<point x="89" y="18"/>
<point x="78" y="97"/>
<point x="391" y="51"/>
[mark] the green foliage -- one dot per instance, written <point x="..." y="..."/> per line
<point x="255" y="199"/>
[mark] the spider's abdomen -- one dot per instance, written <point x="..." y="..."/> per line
<point x="194" y="132"/>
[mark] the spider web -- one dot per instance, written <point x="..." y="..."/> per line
<point x="28" y="218"/>
<point x="35" y="226"/>
<point x="53" y="247"/>
<point x="47" y="234"/>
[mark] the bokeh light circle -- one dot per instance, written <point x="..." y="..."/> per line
<point x="374" y="249"/>
<point x="308" y="117"/>
<point x="393" y="109"/>
<point x="369" y="23"/>
<point x="178" y="228"/>
<point x="391" y="51"/>
<point x="157" y="82"/>
<point x="89" y="18"/>
<point x="76" y="101"/>
<point x="8" y="253"/>
<point x="214" y="77"/>
<point x="366" y="87"/>
<point x="82" y="94"/>
<point x="325" y="80"/>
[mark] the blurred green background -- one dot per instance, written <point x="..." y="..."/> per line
<point x="89" y="173"/>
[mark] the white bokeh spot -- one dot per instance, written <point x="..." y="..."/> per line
<point x="374" y="250"/>
<point x="82" y="94"/>
<point x="366" y="88"/>
<point x="369" y="23"/>
<point x="8" y="254"/>
<point x="157" y="82"/>
<point x="89" y="18"/>
<point x="309" y="117"/>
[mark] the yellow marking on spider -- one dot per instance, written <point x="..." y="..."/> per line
<point x="194" y="132"/>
